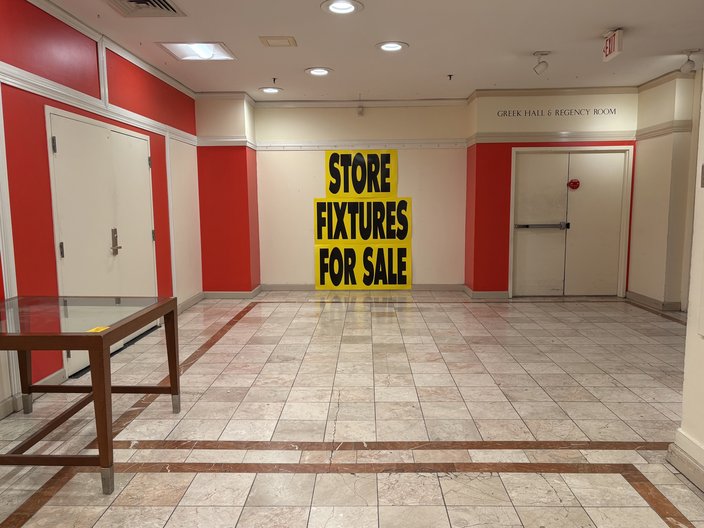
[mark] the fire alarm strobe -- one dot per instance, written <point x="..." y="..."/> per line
<point x="573" y="184"/>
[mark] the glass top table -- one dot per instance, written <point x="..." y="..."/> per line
<point x="33" y="324"/>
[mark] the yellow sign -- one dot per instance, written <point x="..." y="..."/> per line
<point x="98" y="329"/>
<point x="362" y="229"/>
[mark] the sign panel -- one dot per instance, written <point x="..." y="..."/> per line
<point x="362" y="229"/>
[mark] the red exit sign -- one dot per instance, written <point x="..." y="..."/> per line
<point x="613" y="45"/>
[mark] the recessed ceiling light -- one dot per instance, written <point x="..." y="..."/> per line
<point x="271" y="89"/>
<point x="198" y="51"/>
<point x="342" y="7"/>
<point x="318" y="71"/>
<point x="392" y="45"/>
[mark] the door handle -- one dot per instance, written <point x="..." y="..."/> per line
<point x="561" y="226"/>
<point x="115" y="248"/>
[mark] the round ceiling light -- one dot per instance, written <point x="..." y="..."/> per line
<point x="318" y="71"/>
<point x="271" y="89"/>
<point x="392" y="45"/>
<point x="342" y="7"/>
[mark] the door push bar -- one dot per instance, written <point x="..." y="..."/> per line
<point x="561" y="225"/>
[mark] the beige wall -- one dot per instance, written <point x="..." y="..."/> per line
<point x="288" y="182"/>
<point x="221" y="116"/>
<point x="5" y="391"/>
<point x="186" y="220"/>
<point x="662" y="193"/>
<point x="690" y="437"/>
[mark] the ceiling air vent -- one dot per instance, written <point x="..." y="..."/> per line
<point x="146" y="8"/>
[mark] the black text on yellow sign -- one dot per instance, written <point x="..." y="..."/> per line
<point x="362" y="229"/>
<point x="363" y="267"/>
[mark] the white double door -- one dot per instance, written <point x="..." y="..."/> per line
<point x="568" y="241"/>
<point x="102" y="200"/>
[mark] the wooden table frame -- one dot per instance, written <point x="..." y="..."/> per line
<point x="101" y="389"/>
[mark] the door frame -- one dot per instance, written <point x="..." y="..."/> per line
<point x="49" y="111"/>
<point x="625" y="204"/>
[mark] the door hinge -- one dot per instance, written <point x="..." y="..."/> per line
<point x="61" y="249"/>
<point x="53" y="144"/>
<point x="149" y="162"/>
<point x="153" y="235"/>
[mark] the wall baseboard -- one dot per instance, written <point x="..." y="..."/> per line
<point x="233" y="294"/>
<point x="485" y="294"/>
<point x="7" y="406"/>
<point x="185" y="305"/>
<point x="656" y="304"/>
<point x="688" y="465"/>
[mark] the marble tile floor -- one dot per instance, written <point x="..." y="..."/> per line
<point x="414" y="367"/>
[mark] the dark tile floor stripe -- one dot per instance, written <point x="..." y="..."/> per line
<point x="655" y="498"/>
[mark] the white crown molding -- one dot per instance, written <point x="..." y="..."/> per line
<point x="226" y="141"/>
<point x="35" y="84"/>
<point x="549" y="137"/>
<point x="366" y="104"/>
<point x="400" y="144"/>
<point x="664" y="129"/>
<point x="544" y="92"/>
<point x="663" y="79"/>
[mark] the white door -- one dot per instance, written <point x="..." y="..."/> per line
<point x="567" y="241"/>
<point x="101" y="184"/>
<point x="594" y="214"/>
<point x="540" y="195"/>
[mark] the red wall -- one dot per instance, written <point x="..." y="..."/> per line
<point x="132" y="88"/>
<point x="489" y="211"/>
<point x="35" y="41"/>
<point x="228" y="218"/>
<point x="30" y="198"/>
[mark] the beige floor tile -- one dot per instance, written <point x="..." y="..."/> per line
<point x="603" y="490"/>
<point x="248" y="430"/>
<point x="473" y="489"/>
<point x="503" y="430"/>
<point x="400" y="430"/>
<point x="204" y="517"/>
<point x="273" y="517"/>
<point x="538" y="489"/>
<point x="299" y="430"/>
<point x="281" y="489"/>
<point x="155" y="489"/>
<point x="343" y="517"/>
<point x="85" y="489"/>
<point x="625" y="518"/>
<point x="489" y="516"/>
<point x="452" y="430"/>
<point x="409" y="489"/>
<point x="198" y="430"/>
<point x="551" y="517"/>
<point x="66" y="517"/>
<point x="345" y="490"/>
<point x="218" y="489"/>
<point x="130" y="517"/>
<point x="413" y="517"/>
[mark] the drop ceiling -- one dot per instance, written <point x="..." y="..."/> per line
<point x="483" y="44"/>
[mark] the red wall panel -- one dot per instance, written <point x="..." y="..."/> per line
<point x="225" y="219"/>
<point x="489" y="210"/>
<point x="134" y="89"/>
<point x="253" y="218"/>
<point x="35" y="41"/>
<point x="30" y="198"/>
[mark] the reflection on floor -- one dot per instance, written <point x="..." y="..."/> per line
<point x="414" y="409"/>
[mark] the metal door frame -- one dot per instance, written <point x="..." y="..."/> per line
<point x="625" y="204"/>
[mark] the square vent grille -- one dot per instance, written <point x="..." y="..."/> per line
<point x="278" y="42"/>
<point x="146" y="8"/>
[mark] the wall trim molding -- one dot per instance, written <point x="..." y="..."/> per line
<point x="656" y="304"/>
<point x="664" y="79"/>
<point x="400" y="144"/>
<point x="191" y="301"/>
<point x="550" y="137"/>
<point x="371" y="103"/>
<point x="542" y="92"/>
<point x="664" y="129"/>
<point x="687" y="455"/>
<point x="29" y="82"/>
<point x="225" y="141"/>
<point x="485" y="294"/>
<point x="232" y="294"/>
<point x="7" y="406"/>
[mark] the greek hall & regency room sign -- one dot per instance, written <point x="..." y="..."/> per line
<point x="362" y="228"/>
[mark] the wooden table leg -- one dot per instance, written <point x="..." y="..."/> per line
<point x="102" y="401"/>
<point x="24" y="358"/>
<point x="171" y="323"/>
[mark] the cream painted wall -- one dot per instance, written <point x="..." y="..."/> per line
<point x="5" y="391"/>
<point x="690" y="436"/>
<point x="277" y="125"/>
<point x="186" y="220"/>
<point x="221" y="116"/>
<point x="649" y="221"/>
<point x="289" y="181"/>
